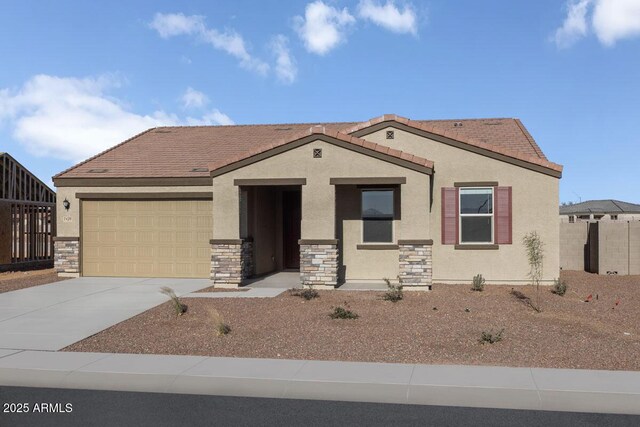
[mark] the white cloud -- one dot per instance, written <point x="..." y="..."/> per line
<point x="176" y="24"/>
<point x="610" y="21"/>
<point x="323" y="27"/>
<point x="575" y="24"/>
<point x="214" y="117"/>
<point x="192" y="98"/>
<point x="614" y="20"/>
<point x="286" y="69"/>
<point x="75" y="118"/>
<point x="389" y="16"/>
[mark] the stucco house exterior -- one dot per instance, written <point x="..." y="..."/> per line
<point x="423" y="201"/>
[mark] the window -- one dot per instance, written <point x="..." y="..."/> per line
<point x="377" y="216"/>
<point x="614" y="217"/>
<point x="572" y="218"/>
<point x="476" y="215"/>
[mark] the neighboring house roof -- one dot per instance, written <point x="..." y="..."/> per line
<point x="600" y="207"/>
<point x="190" y="151"/>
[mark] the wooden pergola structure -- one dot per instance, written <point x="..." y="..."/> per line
<point x="27" y="218"/>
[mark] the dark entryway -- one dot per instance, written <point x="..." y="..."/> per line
<point x="291" y="216"/>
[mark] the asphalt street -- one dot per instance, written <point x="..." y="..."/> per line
<point x="110" y="408"/>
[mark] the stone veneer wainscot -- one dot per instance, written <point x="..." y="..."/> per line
<point x="66" y="255"/>
<point x="319" y="263"/>
<point x="416" y="268"/>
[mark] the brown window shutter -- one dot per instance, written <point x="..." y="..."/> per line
<point x="502" y="220"/>
<point x="449" y="216"/>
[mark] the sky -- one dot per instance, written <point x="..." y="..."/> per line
<point x="77" y="77"/>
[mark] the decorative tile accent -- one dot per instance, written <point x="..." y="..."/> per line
<point x="319" y="264"/>
<point x="66" y="256"/>
<point x="416" y="265"/>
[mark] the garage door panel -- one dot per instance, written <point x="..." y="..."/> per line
<point x="150" y="238"/>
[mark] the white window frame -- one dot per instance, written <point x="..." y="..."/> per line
<point x="393" y="218"/>
<point x="492" y="215"/>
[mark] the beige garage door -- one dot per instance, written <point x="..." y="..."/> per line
<point x="147" y="238"/>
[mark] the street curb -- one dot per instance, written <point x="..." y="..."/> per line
<point x="616" y="392"/>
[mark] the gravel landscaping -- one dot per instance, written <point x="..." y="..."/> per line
<point x="14" y="280"/>
<point x="443" y="326"/>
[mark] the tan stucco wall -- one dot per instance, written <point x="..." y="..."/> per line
<point x="535" y="207"/>
<point x="362" y="264"/>
<point x="68" y="222"/>
<point x="573" y="238"/>
<point x="319" y="201"/>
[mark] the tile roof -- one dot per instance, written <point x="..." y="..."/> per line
<point x="504" y="136"/>
<point x="189" y="151"/>
<point x="600" y="206"/>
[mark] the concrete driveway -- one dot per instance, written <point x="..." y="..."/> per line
<point x="53" y="316"/>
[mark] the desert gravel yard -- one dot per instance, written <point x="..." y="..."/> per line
<point x="439" y="327"/>
<point x="14" y="280"/>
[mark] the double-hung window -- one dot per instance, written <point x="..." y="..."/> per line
<point x="377" y="215"/>
<point x="476" y="215"/>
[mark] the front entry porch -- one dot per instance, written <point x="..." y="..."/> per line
<point x="272" y="250"/>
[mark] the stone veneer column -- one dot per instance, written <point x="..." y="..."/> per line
<point x="416" y="268"/>
<point x="66" y="256"/>
<point x="226" y="262"/>
<point x="319" y="263"/>
<point x="247" y="258"/>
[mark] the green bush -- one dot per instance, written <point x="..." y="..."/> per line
<point x="478" y="283"/>
<point x="178" y="306"/>
<point x="394" y="292"/>
<point x="559" y="287"/>
<point x="343" y="313"/>
<point x="491" y="337"/>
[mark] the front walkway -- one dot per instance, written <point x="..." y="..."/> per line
<point x="53" y="316"/>
<point x="474" y="386"/>
<point x="281" y="279"/>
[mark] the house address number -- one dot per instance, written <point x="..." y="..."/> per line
<point x="66" y="219"/>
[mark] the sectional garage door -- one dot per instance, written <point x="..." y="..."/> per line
<point x="146" y="238"/>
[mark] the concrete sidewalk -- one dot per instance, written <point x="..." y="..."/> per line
<point x="471" y="386"/>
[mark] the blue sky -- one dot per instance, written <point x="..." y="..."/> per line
<point x="77" y="77"/>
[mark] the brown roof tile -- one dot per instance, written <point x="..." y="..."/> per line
<point x="176" y="151"/>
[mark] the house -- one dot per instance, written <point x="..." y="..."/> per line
<point x="423" y="201"/>
<point x="600" y="210"/>
<point x="27" y="218"/>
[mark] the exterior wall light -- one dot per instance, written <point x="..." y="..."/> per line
<point x="66" y="204"/>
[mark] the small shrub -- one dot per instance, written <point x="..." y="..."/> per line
<point x="306" y="293"/>
<point x="394" y="292"/>
<point x="219" y="324"/>
<point x="559" y="287"/>
<point x="343" y="313"/>
<point x="478" y="283"/>
<point x="491" y="337"/>
<point x="525" y="299"/>
<point x="178" y="306"/>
